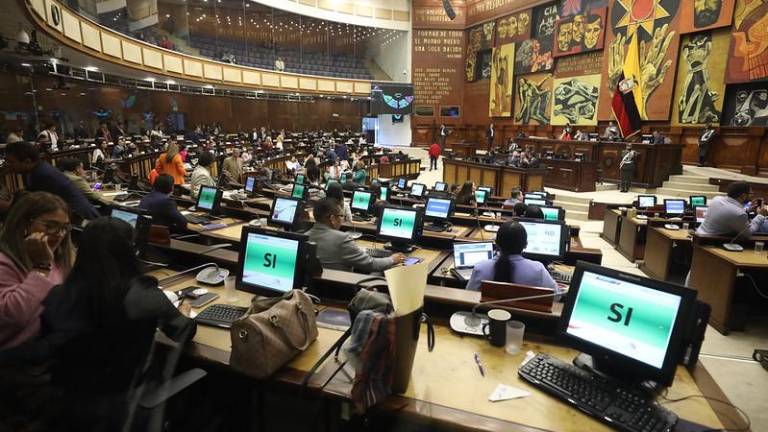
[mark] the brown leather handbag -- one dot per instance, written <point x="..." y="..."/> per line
<point x="275" y="330"/>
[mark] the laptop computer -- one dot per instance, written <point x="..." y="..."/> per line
<point x="466" y="255"/>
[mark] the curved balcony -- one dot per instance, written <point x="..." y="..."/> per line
<point x="106" y="44"/>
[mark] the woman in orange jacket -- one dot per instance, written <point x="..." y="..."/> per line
<point x="170" y="163"/>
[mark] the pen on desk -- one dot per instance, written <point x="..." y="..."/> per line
<point x="479" y="365"/>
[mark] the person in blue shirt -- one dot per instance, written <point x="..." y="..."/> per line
<point x="23" y="158"/>
<point x="509" y="265"/>
<point x="162" y="207"/>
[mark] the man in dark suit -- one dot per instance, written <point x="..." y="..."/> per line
<point x="627" y="168"/>
<point x="162" y="207"/>
<point x="23" y="158"/>
<point x="706" y="138"/>
<point x="490" y="134"/>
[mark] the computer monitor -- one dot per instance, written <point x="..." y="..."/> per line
<point x="438" y="211"/>
<point x="701" y="213"/>
<point x="284" y="211"/>
<point x="343" y="178"/>
<point x="300" y="178"/>
<point x="481" y="196"/>
<point x="674" y="206"/>
<point x="535" y="201"/>
<point x="329" y="183"/>
<point x="299" y="191"/>
<point x="400" y="226"/>
<point x="631" y="326"/>
<point x="440" y="186"/>
<point x="542" y="194"/>
<point x="488" y="190"/>
<point x="553" y="213"/>
<point x="418" y="189"/>
<point x="466" y="255"/>
<point x="270" y="262"/>
<point x="383" y="193"/>
<point x="697" y="201"/>
<point x="646" y="201"/>
<point x="402" y="183"/>
<point x="125" y="215"/>
<point x="208" y="199"/>
<point x="362" y="202"/>
<point x="547" y="240"/>
<point x="250" y="184"/>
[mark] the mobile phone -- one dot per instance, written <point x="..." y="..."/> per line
<point x="203" y="300"/>
<point x="411" y="261"/>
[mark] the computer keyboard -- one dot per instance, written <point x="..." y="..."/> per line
<point x="358" y="218"/>
<point x="197" y="219"/>
<point x="561" y="277"/>
<point x="623" y="408"/>
<point x="378" y="253"/>
<point x="221" y="315"/>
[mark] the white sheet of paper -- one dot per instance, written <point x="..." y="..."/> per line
<point x="185" y="212"/>
<point x="111" y="194"/>
<point x="505" y="392"/>
<point x="406" y="287"/>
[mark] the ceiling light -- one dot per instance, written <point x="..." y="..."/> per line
<point x="150" y="79"/>
<point x="26" y="65"/>
<point x="208" y="86"/>
<point x="91" y="68"/>
<point x="170" y="82"/>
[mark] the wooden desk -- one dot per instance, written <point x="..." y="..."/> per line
<point x="612" y="226"/>
<point x="632" y="238"/>
<point x="660" y="244"/>
<point x="713" y="275"/>
<point x="447" y="389"/>
<point x="501" y="178"/>
<point x="655" y="162"/>
<point x="572" y="175"/>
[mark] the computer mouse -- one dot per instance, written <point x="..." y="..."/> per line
<point x="449" y="229"/>
<point x="255" y="222"/>
<point x="200" y="292"/>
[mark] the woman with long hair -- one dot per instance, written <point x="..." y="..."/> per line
<point x="466" y="195"/>
<point x="35" y="255"/>
<point x="509" y="265"/>
<point x="312" y="170"/>
<point x="336" y="191"/>
<point x="99" y="327"/>
<point x="171" y="163"/>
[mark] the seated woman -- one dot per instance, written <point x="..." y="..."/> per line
<point x="466" y="195"/>
<point x="360" y="173"/>
<point x="509" y="265"/>
<point x="35" y="255"/>
<point x="99" y="329"/>
<point x="336" y="191"/>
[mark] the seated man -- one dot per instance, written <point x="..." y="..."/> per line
<point x="726" y="215"/>
<point x="517" y="197"/>
<point x="162" y="207"/>
<point x="336" y="249"/>
<point x="23" y="158"/>
<point x="73" y="169"/>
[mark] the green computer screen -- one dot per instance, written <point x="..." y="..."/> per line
<point x="480" y="196"/>
<point x="398" y="223"/>
<point x="270" y="262"/>
<point x="550" y="213"/>
<point x="207" y="198"/>
<point x="298" y="191"/>
<point x="624" y="317"/>
<point x="383" y="193"/>
<point x="343" y="178"/>
<point x="698" y="201"/>
<point x="361" y="200"/>
<point x="329" y="182"/>
<point x="300" y="178"/>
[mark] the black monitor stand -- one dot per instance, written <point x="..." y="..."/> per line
<point x="608" y="371"/>
<point x="399" y="246"/>
<point x="361" y="217"/>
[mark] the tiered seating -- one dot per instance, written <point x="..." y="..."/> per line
<point x="338" y="66"/>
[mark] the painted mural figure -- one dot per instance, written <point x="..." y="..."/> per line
<point x="501" y="87"/>
<point x="533" y="99"/>
<point x="706" y="12"/>
<point x="697" y="103"/>
<point x="575" y="100"/>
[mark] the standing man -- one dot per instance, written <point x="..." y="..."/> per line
<point x="627" y="168"/>
<point x="443" y="134"/>
<point x="434" y="154"/>
<point x="48" y="138"/>
<point x="233" y="167"/>
<point x="490" y="134"/>
<point x="704" y="141"/>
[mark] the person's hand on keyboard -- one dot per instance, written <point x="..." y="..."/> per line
<point x="398" y="258"/>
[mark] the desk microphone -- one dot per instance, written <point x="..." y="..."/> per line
<point x="735" y="247"/>
<point x="214" y="247"/>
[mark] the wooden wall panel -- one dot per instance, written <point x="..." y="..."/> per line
<point x="111" y="45"/>
<point x="131" y="52"/>
<point x="71" y="27"/>
<point x="152" y="58"/>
